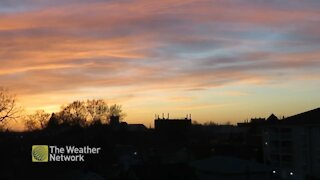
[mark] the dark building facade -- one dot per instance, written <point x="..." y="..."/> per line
<point x="172" y="125"/>
<point x="292" y="146"/>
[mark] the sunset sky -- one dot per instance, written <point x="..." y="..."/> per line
<point x="220" y="60"/>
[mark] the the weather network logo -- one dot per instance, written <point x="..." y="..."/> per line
<point x="47" y="153"/>
<point x="40" y="153"/>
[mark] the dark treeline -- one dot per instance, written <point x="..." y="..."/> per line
<point x="78" y="113"/>
<point x="128" y="151"/>
<point x="123" y="152"/>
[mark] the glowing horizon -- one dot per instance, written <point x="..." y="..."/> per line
<point x="220" y="60"/>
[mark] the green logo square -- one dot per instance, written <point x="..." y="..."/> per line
<point x="40" y="153"/>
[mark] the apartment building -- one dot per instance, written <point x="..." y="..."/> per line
<point x="292" y="146"/>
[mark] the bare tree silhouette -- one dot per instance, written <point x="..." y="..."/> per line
<point x="86" y="113"/>
<point x="42" y="117"/>
<point x="74" y="113"/>
<point x="116" y="110"/>
<point x="8" y="106"/>
<point x="38" y="120"/>
<point x="97" y="111"/>
<point x="30" y="124"/>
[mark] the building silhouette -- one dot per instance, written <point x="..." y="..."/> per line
<point x="172" y="125"/>
<point x="292" y="145"/>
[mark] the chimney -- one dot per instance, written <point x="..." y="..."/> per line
<point x="114" y="120"/>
